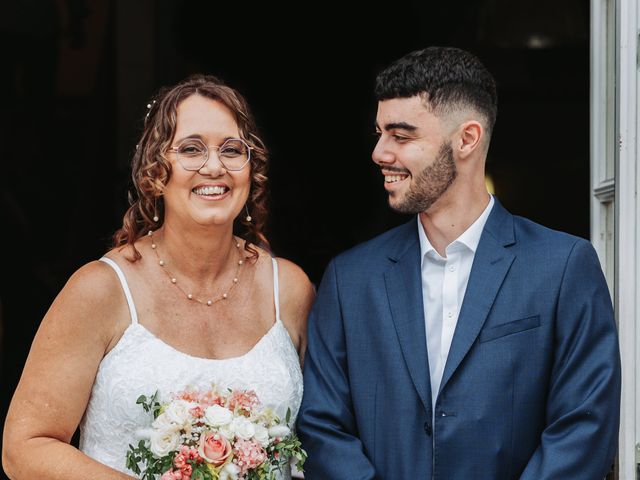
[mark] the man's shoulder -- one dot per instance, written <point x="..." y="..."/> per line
<point x="537" y="243"/>
<point x="377" y="250"/>
<point x="523" y="233"/>
<point x="530" y="234"/>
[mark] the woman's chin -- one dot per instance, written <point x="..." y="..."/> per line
<point x="214" y="220"/>
<point x="205" y="217"/>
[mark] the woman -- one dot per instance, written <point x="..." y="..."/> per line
<point x="179" y="302"/>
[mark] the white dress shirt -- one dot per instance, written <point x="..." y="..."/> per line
<point x="444" y="283"/>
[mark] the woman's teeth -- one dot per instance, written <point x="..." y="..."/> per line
<point x="210" y="190"/>
<point x="394" y="178"/>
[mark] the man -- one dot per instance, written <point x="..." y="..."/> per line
<point x="468" y="343"/>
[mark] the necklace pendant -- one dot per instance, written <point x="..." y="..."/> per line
<point x="190" y="297"/>
<point x="209" y="302"/>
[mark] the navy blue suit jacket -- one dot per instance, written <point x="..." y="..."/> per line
<point x="531" y="387"/>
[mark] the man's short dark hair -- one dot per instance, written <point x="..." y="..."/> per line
<point x="450" y="78"/>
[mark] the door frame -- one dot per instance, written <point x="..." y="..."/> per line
<point x="614" y="191"/>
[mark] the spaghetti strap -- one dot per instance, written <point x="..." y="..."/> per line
<point x="125" y="287"/>
<point x="276" y="289"/>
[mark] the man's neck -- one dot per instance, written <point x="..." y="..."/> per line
<point x="450" y="217"/>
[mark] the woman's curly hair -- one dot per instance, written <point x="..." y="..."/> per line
<point x="151" y="170"/>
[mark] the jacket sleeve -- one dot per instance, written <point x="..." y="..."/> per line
<point x="326" y="423"/>
<point x="583" y="405"/>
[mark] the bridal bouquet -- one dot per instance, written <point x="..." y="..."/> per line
<point x="208" y="435"/>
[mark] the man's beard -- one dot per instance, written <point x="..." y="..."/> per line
<point x="430" y="184"/>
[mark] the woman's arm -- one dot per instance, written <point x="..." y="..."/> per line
<point x="83" y="323"/>
<point x="296" y="297"/>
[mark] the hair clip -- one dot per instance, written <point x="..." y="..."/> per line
<point x="149" y="106"/>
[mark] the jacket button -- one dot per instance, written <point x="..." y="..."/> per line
<point x="427" y="428"/>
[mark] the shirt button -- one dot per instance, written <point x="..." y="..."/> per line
<point x="452" y="268"/>
<point x="450" y="314"/>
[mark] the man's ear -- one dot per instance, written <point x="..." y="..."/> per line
<point x="470" y="138"/>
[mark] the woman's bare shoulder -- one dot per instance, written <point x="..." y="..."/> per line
<point x="296" y="292"/>
<point x="92" y="298"/>
<point x="294" y="282"/>
<point x="95" y="282"/>
<point x="294" y="279"/>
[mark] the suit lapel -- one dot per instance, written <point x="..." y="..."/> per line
<point x="403" y="281"/>
<point x="490" y="266"/>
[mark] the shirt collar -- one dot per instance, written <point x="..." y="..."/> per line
<point x="470" y="238"/>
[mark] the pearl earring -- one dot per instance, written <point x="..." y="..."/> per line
<point x="248" y="217"/>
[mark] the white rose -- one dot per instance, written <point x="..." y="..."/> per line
<point x="243" y="428"/>
<point x="280" y="431"/>
<point x="261" y="435"/>
<point x="217" y="416"/>
<point x="227" y="431"/>
<point x="163" y="423"/>
<point x="229" y="472"/>
<point x="177" y="412"/>
<point x="164" y="442"/>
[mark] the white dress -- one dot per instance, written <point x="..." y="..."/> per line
<point x="141" y="363"/>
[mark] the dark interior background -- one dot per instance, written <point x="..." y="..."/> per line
<point x="77" y="75"/>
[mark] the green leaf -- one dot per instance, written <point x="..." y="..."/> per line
<point x="132" y="463"/>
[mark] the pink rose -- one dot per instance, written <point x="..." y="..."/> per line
<point x="214" y="448"/>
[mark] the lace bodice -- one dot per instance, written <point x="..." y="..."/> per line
<point x="141" y="363"/>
